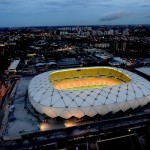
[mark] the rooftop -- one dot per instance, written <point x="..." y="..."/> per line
<point x="14" y="64"/>
<point x="145" y="70"/>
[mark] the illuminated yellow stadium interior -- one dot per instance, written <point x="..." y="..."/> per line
<point x="86" y="78"/>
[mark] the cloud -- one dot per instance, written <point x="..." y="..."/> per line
<point x="114" y="16"/>
<point x="147" y="16"/>
<point x="145" y="6"/>
<point x="65" y="3"/>
<point x="73" y="4"/>
<point x="72" y="11"/>
<point x="8" y="2"/>
<point x="5" y="2"/>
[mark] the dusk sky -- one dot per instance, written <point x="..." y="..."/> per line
<point x="17" y="13"/>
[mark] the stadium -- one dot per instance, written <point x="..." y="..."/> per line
<point x="87" y="92"/>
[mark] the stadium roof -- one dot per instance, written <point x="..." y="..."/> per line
<point x="67" y="103"/>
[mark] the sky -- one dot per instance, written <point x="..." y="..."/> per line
<point x="25" y="13"/>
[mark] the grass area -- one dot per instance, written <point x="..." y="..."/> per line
<point x="87" y="87"/>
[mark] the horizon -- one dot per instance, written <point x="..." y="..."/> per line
<point x="42" y="26"/>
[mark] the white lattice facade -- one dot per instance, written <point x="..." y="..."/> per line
<point x="67" y="103"/>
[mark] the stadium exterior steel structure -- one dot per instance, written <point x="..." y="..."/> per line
<point x="67" y="103"/>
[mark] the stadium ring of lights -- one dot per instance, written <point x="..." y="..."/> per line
<point x="47" y="98"/>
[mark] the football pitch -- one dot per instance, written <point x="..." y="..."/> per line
<point x="87" y="87"/>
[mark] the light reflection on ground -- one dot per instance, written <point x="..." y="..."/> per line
<point x="70" y="123"/>
<point x="44" y="126"/>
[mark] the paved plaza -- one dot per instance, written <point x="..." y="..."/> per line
<point x="24" y="121"/>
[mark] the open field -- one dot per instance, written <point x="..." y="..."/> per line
<point x="87" y="87"/>
<point x="86" y="83"/>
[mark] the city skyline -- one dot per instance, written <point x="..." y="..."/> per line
<point x="18" y="13"/>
